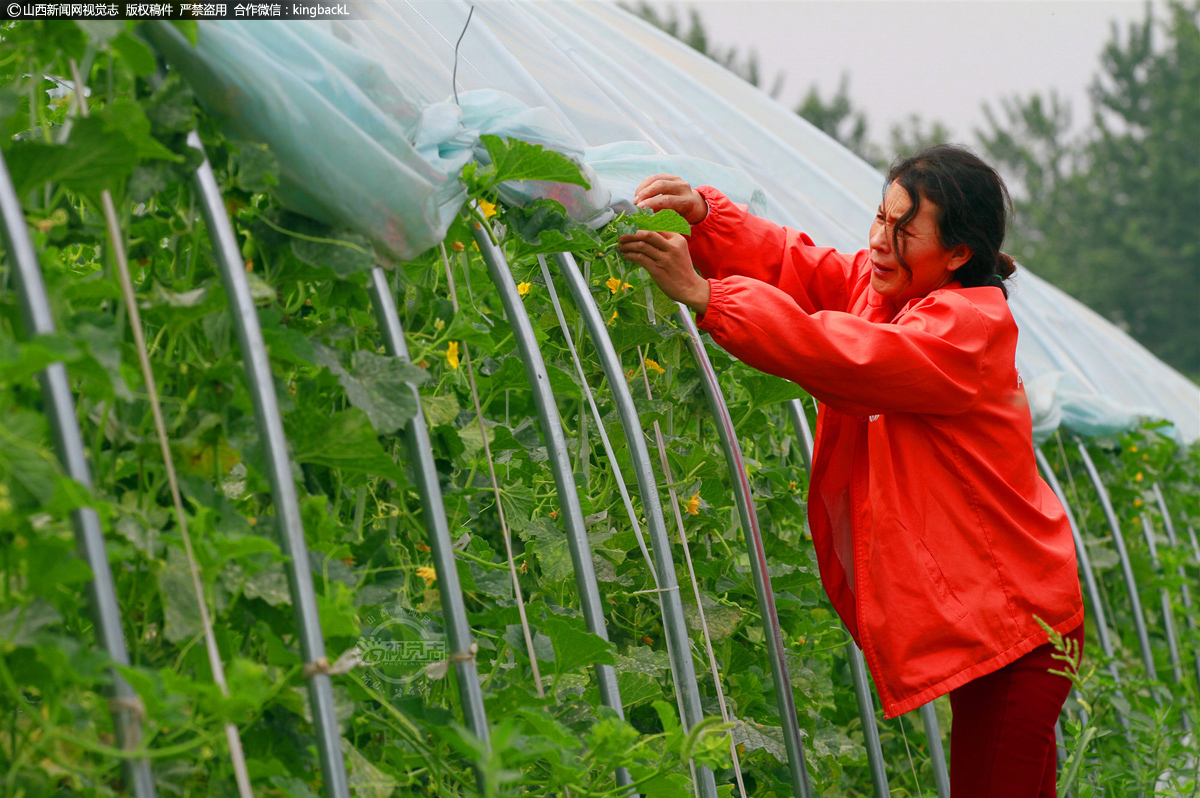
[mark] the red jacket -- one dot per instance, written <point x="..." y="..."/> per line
<point x="937" y="540"/>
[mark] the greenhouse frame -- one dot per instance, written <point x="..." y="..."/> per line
<point x="387" y="246"/>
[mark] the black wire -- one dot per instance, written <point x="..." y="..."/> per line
<point x="454" y="74"/>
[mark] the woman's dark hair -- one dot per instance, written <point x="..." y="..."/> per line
<point x="973" y="207"/>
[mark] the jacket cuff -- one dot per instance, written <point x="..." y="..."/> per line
<point x="712" y="197"/>
<point x="710" y="319"/>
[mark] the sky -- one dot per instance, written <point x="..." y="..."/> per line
<point x="941" y="59"/>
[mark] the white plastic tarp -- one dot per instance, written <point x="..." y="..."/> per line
<point x="371" y="132"/>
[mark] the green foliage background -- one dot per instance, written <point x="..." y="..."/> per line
<point x="343" y="408"/>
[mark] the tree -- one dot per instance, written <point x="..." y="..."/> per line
<point x="1114" y="218"/>
<point x="912" y="136"/>
<point x="841" y="121"/>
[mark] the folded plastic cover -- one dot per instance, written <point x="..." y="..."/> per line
<point x="371" y="122"/>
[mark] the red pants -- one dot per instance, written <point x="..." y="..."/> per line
<point x="1002" y="735"/>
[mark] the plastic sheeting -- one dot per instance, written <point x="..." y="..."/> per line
<point x="370" y="133"/>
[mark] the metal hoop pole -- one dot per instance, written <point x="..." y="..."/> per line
<point x="283" y="489"/>
<point x="1139" y="618"/>
<point x="420" y="453"/>
<point x="1089" y="576"/>
<point x="858" y="668"/>
<point x="758" y="555"/>
<point x="560" y="465"/>
<point x="1165" y="599"/>
<point x="941" y="774"/>
<point x="1085" y="562"/>
<point x="678" y="642"/>
<point x="1185" y="596"/>
<point x="68" y="442"/>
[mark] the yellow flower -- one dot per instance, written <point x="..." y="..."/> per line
<point x="693" y="504"/>
<point x="614" y="284"/>
<point x="791" y="486"/>
<point x="614" y="318"/>
<point x="428" y="574"/>
<point x="652" y="366"/>
<point x="523" y="288"/>
<point x="1137" y="502"/>
<point x="489" y="209"/>
<point x="1138" y="477"/>
<point x="1133" y="448"/>
<point x="452" y="354"/>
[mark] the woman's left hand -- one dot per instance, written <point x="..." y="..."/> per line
<point x="665" y="256"/>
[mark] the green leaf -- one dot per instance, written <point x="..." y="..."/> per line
<point x="831" y="740"/>
<point x="721" y="620"/>
<point x="366" y="780"/>
<point x="512" y="376"/>
<point x="574" y="646"/>
<point x="664" y="221"/>
<point x="440" y="409"/>
<point x="19" y="362"/>
<point x="181" y="613"/>
<point x="101" y="32"/>
<point x="171" y="108"/>
<point x="257" y="167"/>
<point x="666" y="785"/>
<point x="345" y="253"/>
<point x="133" y="52"/>
<point x="666" y="716"/>
<point x="637" y="688"/>
<point x="640" y="659"/>
<point x="543" y="227"/>
<point x="379" y="385"/>
<point x="757" y="736"/>
<point x="190" y="29"/>
<point x="627" y="336"/>
<point x="513" y="159"/>
<point x="94" y="158"/>
<point x="20" y="625"/>
<point x="765" y="389"/>
<point x="270" y="585"/>
<point x="551" y="547"/>
<point x="345" y="441"/>
<point x="128" y="118"/>
<point x="338" y="613"/>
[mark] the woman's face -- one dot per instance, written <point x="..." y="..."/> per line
<point x="932" y="265"/>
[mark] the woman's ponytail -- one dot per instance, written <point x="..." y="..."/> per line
<point x="1005" y="265"/>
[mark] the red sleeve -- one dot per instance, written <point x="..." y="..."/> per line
<point x="730" y="241"/>
<point x="928" y="361"/>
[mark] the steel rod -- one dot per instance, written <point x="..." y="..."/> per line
<point x="933" y="734"/>
<point x="675" y="627"/>
<point x="1139" y="618"/>
<point x="37" y="319"/>
<point x="858" y="668"/>
<point x="757" y="554"/>
<point x="560" y="464"/>
<point x="1089" y="575"/>
<point x="1164" y="595"/>
<point x="1085" y="562"/>
<point x="283" y="490"/>
<point x="1185" y="595"/>
<point x="420" y="454"/>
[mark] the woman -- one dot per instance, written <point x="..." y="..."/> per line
<point x="937" y="540"/>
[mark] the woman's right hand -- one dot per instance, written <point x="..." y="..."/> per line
<point x="669" y="191"/>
